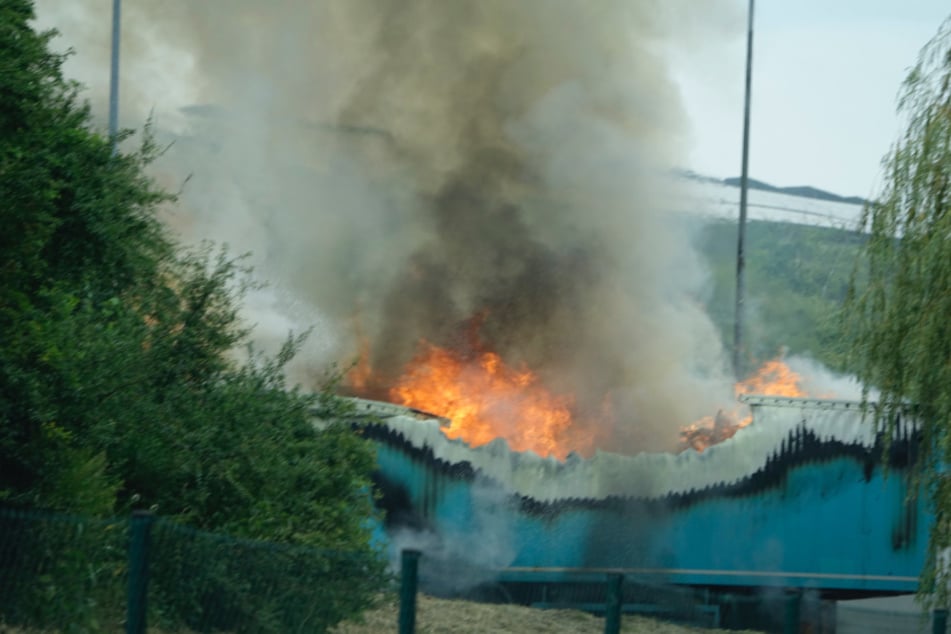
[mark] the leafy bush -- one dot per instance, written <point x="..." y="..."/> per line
<point x="119" y="388"/>
<point x="209" y="582"/>
<point x="62" y="572"/>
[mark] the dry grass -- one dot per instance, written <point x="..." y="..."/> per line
<point x="444" y="616"/>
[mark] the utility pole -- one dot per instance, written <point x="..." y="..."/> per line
<point x="114" y="76"/>
<point x="738" y="347"/>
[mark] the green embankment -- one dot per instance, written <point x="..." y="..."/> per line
<point x="796" y="280"/>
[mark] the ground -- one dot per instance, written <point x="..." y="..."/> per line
<point x="443" y="616"/>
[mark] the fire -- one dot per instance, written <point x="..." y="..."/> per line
<point x="484" y="398"/>
<point x="773" y="378"/>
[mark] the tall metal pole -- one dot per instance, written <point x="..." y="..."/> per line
<point x="114" y="76"/>
<point x="738" y="348"/>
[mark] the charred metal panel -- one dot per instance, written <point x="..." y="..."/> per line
<point x="819" y="513"/>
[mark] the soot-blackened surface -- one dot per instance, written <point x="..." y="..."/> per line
<point x="800" y="447"/>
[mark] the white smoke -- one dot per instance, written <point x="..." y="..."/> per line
<point x="819" y="381"/>
<point x="455" y="563"/>
<point x="395" y="166"/>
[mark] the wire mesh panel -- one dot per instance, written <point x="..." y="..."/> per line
<point x="61" y="572"/>
<point x="71" y="574"/>
<point x="209" y="582"/>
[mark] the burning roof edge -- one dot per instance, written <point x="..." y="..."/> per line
<point x="647" y="475"/>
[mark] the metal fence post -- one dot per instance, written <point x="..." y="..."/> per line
<point x="137" y="601"/>
<point x="409" y="576"/>
<point x="791" y="612"/>
<point x="939" y="621"/>
<point x="612" y="614"/>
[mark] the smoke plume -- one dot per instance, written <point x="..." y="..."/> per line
<point x="411" y="170"/>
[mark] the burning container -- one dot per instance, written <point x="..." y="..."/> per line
<point x="798" y="499"/>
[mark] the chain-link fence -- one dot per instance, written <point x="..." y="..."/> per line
<point x="209" y="582"/>
<point x="62" y="572"/>
<point x="76" y="574"/>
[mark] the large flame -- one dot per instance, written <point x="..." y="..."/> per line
<point x="484" y="398"/>
<point x="773" y="378"/>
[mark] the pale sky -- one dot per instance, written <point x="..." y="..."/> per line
<point x="825" y="78"/>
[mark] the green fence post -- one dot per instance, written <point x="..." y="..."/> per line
<point x="409" y="567"/>
<point x="939" y="621"/>
<point x="612" y="614"/>
<point x="791" y="613"/>
<point x="138" y="571"/>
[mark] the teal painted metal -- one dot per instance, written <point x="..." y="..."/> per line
<point x="821" y="522"/>
<point x="824" y="526"/>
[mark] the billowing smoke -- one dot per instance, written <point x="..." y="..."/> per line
<point x="404" y="170"/>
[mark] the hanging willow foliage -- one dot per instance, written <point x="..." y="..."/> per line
<point x="898" y="311"/>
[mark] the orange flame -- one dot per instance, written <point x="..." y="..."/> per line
<point x="773" y="378"/>
<point x="486" y="399"/>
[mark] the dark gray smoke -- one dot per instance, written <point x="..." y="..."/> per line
<point x="407" y="170"/>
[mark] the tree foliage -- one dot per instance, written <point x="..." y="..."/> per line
<point x="119" y="386"/>
<point x="797" y="278"/>
<point x="899" y="308"/>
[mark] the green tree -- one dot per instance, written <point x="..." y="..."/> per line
<point x="898" y="311"/>
<point x="797" y="278"/>
<point x="119" y="383"/>
<point x="78" y="233"/>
